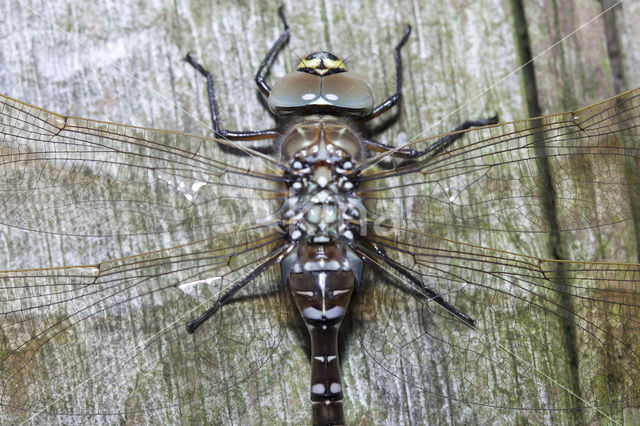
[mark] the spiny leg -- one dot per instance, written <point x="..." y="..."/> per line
<point x="223" y="133"/>
<point x="262" y="85"/>
<point x="266" y="62"/>
<point x="273" y="258"/>
<point x="393" y="99"/>
<point x="434" y="149"/>
<point x="439" y="145"/>
<point x="444" y="142"/>
<point x="370" y="250"/>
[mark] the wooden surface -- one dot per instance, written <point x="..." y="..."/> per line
<point x="123" y="63"/>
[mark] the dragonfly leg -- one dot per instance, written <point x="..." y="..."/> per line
<point x="381" y="147"/>
<point x="393" y="99"/>
<point x="433" y="149"/>
<point x="372" y="250"/>
<point x="444" y="142"/>
<point x="222" y="133"/>
<point x="273" y="258"/>
<point x="266" y="62"/>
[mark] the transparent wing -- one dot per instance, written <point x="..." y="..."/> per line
<point x="82" y="179"/>
<point x="107" y="342"/>
<point x="508" y="186"/>
<point x="555" y="341"/>
<point x="556" y="338"/>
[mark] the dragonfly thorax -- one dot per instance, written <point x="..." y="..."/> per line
<point x="322" y="205"/>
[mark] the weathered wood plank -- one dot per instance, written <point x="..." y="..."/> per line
<point x="123" y="63"/>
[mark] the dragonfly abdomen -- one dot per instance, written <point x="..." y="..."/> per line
<point x="322" y="278"/>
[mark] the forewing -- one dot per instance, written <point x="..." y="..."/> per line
<point x="90" y="180"/>
<point x="509" y="186"/>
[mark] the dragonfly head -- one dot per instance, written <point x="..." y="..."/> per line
<point x="321" y="84"/>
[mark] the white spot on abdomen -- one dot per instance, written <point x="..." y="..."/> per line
<point x="312" y="313"/>
<point x="335" y="312"/>
<point x="322" y="265"/>
<point x="322" y="358"/>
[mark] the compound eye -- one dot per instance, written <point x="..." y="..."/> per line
<point x="342" y="91"/>
<point x="294" y="90"/>
<point x="348" y="91"/>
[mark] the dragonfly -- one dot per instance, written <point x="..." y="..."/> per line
<point x="475" y="316"/>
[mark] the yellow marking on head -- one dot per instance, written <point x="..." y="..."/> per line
<point x="309" y="63"/>
<point x="321" y="63"/>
